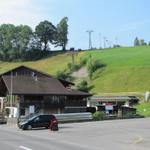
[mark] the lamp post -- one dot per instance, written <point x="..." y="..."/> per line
<point x="11" y="92"/>
<point x="100" y="41"/>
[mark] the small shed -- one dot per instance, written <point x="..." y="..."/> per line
<point x="114" y="104"/>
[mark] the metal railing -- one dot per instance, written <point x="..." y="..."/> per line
<point x="73" y="117"/>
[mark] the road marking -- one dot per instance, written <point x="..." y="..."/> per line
<point x="138" y="140"/>
<point x="25" y="148"/>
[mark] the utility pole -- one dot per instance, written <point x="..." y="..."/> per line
<point x="90" y="38"/>
<point x="73" y="54"/>
<point x="100" y="43"/>
<point x="11" y="96"/>
<point x="104" y="38"/>
<point x="116" y="41"/>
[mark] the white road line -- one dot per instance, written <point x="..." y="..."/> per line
<point x="25" y="148"/>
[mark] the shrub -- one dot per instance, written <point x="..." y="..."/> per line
<point x="83" y="86"/>
<point x="98" y="115"/>
<point x="61" y="75"/>
<point x="83" y="61"/>
<point x="73" y="67"/>
<point x="94" y="65"/>
<point x="79" y="49"/>
<point x="64" y="76"/>
<point x="35" y="54"/>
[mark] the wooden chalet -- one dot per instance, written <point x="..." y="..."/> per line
<point x="39" y="92"/>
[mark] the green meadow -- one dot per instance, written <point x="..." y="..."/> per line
<point x="126" y="69"/>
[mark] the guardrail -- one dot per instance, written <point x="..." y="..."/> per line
<point x="73" y="117"/>
<point x="3" y="120"/>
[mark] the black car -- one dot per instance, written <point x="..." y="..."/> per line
<point x="38" y="121"/>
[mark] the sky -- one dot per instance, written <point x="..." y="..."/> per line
<point x="119" y="21"/>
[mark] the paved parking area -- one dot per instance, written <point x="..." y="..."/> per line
<point x="133" y="134"/>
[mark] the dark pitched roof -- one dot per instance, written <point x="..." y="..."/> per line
<point x="28" y="85"/>
<point x="77" y="92"/>
<point x="45" y="74"/>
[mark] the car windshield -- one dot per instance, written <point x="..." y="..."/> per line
<point x="29" y="117"/>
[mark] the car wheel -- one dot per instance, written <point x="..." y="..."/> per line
<point x="29" y="127"/>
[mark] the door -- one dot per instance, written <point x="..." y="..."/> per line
<point x="36" y="122"/>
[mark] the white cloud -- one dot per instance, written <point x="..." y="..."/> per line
<point x="19" y="12"/>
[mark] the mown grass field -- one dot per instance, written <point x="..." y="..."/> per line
<point x="126" y="70"/>
<point x="48" y="65"/>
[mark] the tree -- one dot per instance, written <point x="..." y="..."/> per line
<point x="136" y="42"/>
<point x="46" y="33"/>
<point x="34" y="43"/>
<point x="14" y="41"/>
<point x="21" y="40"/>
<point x="6" y="36"/>
<point x="62" y="32"/>
<point x="142" y="42"/>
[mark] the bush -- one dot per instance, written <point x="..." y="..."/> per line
<point x="83" y="61"/>
<point x="83" y="86"/>
<point x="79" y="49"/>
<point x="73" y="67"/>
<point x="98" y="115"/>
<point x="64" y="76"/>
<point x="94" y="65"/>
<point x="35" y="54"/>
<point x="61" y="75"/>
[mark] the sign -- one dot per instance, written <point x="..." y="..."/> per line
<point x="31" y="109"/>
<point x="108" y="107"/>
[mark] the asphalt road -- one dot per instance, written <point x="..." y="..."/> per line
<point x="131" y="134"/>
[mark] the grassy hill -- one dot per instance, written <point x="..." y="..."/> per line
<point x="49" y="65"/>
<point x="127" y="69"/>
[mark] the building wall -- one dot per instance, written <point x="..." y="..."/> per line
<point x="52" y="104"/>
<point x="75" y="104"/>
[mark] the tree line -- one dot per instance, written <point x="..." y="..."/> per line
<point x="140" y="42"/>
<point x="22" y="43"/>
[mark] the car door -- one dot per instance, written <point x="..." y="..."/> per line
<point x="36" y="122"/>
<point x="45" y="121"/>
<point x="41" y="121"/>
